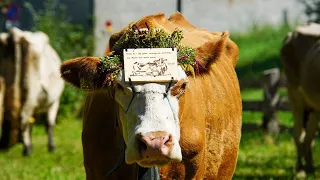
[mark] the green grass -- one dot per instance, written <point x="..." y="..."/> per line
<point x="64" y="164"/>
<point x="259" y="157"/>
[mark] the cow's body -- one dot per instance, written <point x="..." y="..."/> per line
<point x="209" y="112"/>
<point x="300" y="57"/>
<point x="38" y="85"/>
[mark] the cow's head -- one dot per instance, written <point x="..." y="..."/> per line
<point x="148" y="112"/>
<point x="149" y="119"/>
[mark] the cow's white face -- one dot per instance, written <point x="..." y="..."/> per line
<point x="150" y="123"/>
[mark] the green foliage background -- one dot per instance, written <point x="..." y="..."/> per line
<point x="312" y="9"/>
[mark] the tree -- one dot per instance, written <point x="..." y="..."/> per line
<point x="312" y="10"/>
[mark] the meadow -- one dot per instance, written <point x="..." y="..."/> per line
<point x="260" y="156"/>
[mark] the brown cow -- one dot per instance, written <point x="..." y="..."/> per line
<point x="194" y="134"/>
<point x="300" y="58"/>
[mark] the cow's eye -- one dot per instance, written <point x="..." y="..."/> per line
<point x="184" y="85"/>
<point x="179" y="88"/>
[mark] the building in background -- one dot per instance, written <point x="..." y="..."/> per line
<point x="79" y="11"/>
<point x="215" y="15"/>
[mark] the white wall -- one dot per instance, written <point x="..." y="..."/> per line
<point x="215" y="15"/>
<point x="122" y="12"/>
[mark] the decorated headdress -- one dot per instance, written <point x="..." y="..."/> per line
<point x="148" y="38"/>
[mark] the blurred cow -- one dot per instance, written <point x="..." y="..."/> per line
<point x="30" y="67"/>
<point x="300" y="57"/>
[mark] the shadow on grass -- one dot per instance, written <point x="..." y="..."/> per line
<point x="257" y="67"/>
<point x="267" y="177"/>
<point x="250" y="127"/>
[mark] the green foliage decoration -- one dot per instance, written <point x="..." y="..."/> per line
<point x="112" y="66"/>
<point x="153" y="38"/>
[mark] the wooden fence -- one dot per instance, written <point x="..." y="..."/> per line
<point x="271" y="103"/>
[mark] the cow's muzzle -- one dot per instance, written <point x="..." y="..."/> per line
<point x="155" y="148"/>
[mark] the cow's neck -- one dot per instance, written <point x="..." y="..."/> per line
<point x="142" y="173"/>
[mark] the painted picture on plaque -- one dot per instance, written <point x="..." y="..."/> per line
<point x="157" y="67"/>
<point x="158" y="64"/>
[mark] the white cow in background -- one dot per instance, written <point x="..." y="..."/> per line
<point x="30" y="67"/>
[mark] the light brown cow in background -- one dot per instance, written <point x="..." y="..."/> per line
<point x="194" y="134"/>
<point x="300" y="56"/>
<point x="30" y="67"/>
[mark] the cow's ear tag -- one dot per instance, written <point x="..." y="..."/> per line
<point x="150" y="64"/>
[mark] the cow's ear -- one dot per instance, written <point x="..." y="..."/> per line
<point x="84" y="72"/>
<point x="211" y="51"/>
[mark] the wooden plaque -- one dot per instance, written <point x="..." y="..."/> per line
<point x="150" y="64"/>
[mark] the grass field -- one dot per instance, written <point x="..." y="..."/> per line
<point x="64" y="164"/>
<point x="259" y="158"/>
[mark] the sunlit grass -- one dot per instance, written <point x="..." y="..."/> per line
<point x="260" y="159"/>
<point x="65" y="163"/>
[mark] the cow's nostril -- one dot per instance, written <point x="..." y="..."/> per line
<point x="167" y="140"/>
<point x="142" y="145"/>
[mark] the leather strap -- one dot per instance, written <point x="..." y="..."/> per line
<point x="148" y="173"/>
